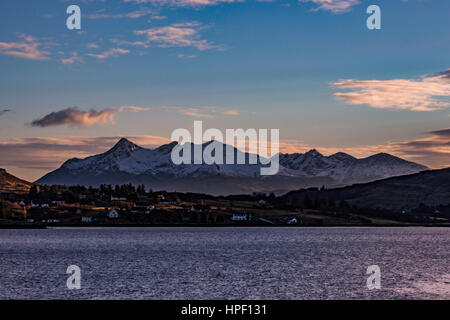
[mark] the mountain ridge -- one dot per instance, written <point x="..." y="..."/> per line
<point x="429" y="188"/>
<point x="127" y="162"/>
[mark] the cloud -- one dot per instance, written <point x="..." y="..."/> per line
<point x="72" y="59"/>
<point x="232" y="112"/>
<point x="28" y="48"/>
<point x="441" y="133"/>
<point x="426" y="94"/>
<point x="2" y="112"/>
<point x="195" y="112"/>
<point x="92" y="46"/>
<point x="130" y="15"/>
<point x="75" y="117"/>
<point x="109" y="53"/>
<point x="186" y="56"/>
<point x="184" y="3"/>
<point x="177" y="35"/>
<point x="335" y="6"/>
<point x="203" y="112"/>
<point x="134" y="108"/>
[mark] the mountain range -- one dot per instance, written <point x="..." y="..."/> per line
<point x="127" y="162"/>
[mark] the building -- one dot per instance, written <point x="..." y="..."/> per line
<point x="141" y="207"/>
<point x="118" y="198"/>
<point x="241" y="217"/>
<point x="87" y="219"/>
<point x="113" y="214"/>
<point x="199" y="208"/>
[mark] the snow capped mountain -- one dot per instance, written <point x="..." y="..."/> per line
<point x="346" y="169"/>
<point x="126" y="162"/>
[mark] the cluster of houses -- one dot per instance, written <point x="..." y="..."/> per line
<point x="97" y="206"/>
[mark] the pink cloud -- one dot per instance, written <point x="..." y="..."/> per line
<point x="72" y="59"/>
<point x="335" y="6"/>
<point x="426" y="94"/>
<point x="109" y="53"/>
<point x="133" y="108"/>
<point x="184" y="3"/>
<point x="177" y="35"/>
<point x="27" y="49"/>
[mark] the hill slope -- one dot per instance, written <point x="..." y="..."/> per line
<point x="431" y="188"/>
<point x="10" y="183"/>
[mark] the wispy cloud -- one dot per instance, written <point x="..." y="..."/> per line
<point x="196" y="112"/>
<point x="177" y="35"/>
<point x="2" y="112"/>
<point x="232" y="112"/>
<point x="72" y="59"/>
<point x="203" y="112"/>
<point x="426" y="94"/>
<point x="75" y="117"/>
<point x="28" y="48"/>
<point x="335" y="6"/>
<point x="184" y="3"/>
<point x="134" y="108"/>
<point x="109" y="53"/>
<point x="186" y="56"/>
<point x="143" y="12"/>
<point x="92" y="46"/>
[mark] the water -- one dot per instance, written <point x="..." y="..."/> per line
<point x="225" y="263"/>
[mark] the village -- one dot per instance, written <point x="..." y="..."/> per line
<point x="128" y="205"/>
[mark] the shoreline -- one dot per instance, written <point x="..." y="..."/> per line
<point x="43" y="227"/>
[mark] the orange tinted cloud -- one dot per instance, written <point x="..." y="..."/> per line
<point x="177" y="35"/>
<point x="75" y="117"/>
<point x="426" y="94"/>
<point x="109" y="53"/>
<point x="29" y="48"/>
<point x="335" y="6"/>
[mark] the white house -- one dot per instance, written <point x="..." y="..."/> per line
<point x="86" y="219"/>
<point x="241" y="217"/>
<point x="113" y="214"/>
<point x="118" y="198"/>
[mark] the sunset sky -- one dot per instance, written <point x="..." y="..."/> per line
<point x="142" y="68"/>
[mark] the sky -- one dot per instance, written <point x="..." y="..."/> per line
<point x="143" y="68"/>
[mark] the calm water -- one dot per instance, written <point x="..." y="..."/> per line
<point x="225" y="263"/>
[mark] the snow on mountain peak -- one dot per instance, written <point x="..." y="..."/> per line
<point x="128" y="161"/>
<point x="125" y="145"/>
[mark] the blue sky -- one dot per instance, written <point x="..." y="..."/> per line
<point x="250" y="64"/>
